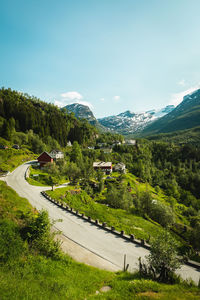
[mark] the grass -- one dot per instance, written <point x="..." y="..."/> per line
<point x="12" y="158"/>
<point x="118" y="218"/>
<point x="34" y="276"/>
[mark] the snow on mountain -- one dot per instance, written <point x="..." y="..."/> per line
<point x="129" y="122"/>
<point x="126" y="123"/>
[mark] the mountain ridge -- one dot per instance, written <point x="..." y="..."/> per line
<point x="125" y="123"/>
<point x="186" y="115"/>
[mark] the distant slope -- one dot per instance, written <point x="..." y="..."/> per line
<point x="185" y="116"/>
<point x="129" y="122"/>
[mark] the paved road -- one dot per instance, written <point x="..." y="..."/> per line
<point x="102" y="243"/>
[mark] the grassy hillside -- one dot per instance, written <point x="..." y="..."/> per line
<point x="12" y="158"/>
<point x="29" y="272"/>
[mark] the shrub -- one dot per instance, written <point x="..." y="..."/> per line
<point x="162" y="261"/>
<point x="39" y="236"/>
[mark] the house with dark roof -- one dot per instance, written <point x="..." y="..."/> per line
<point x="45" y="158"/>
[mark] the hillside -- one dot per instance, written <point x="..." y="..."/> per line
<point x="185" y="116"/>
<point x="187" y="136"/>
<point x="22" y="112"/>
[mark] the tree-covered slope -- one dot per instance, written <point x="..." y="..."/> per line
<point x="187" y="136"/>
<point x="26" y="112"/>
<point x="186" y="115"/>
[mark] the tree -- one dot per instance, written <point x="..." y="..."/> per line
<point x="52" y="180"/>
<point x="163" y="260"/>
<point x="118" y="197"/>
<point x="73" y="171"/>
<point x="6" y="131"/>
<point x="99" y="177"/>
<point x="76" y="154"/>
<point x="145" y="201"/>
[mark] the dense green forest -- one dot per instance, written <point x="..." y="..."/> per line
<point x="23" y="113"/>
<point x="187" y="136"/>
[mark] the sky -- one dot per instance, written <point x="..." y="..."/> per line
<point x="112" y="55"/>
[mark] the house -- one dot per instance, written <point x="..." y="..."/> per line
<point x="104" y="166"/>
<point x="120" y="167"/>
<point x="45" y="158"/>
<point x="16" y="147"/>
<point x="3" y="147"/>
<point x="131" y="142"/>
<point x="57" y="154"/>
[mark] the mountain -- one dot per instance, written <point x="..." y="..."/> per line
<point x="84" y="112"/>
<point x="129" y="122"/>
<point x="81" y="112"/>
<point x="185" y="116"/>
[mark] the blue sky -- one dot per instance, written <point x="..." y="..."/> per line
<point x="114" y="55"/>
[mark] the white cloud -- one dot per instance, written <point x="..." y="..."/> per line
<point x="102" y="99"/>
<point x="72" y="96"/>
<point x="177" y="98"/>
<point x="116" y="98"/>
<point x="182" y="82"/>
<point x="59" y="103"/>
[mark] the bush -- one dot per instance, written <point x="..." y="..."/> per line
<point x="162" y="261"/>
<point x="39" y="236"/>
<point x="162" y="214"/>
<point x="118" y="198"/>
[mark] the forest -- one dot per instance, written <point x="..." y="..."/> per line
<point x="23" y="113"/>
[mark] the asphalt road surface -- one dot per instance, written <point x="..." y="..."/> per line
<point x="107" y="248"/>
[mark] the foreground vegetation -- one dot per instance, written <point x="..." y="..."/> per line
<point x="28" y="270"/>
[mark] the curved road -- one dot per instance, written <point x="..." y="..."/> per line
<point x="104" y="245"/>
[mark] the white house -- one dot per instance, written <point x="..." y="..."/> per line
<point x="131" y="142"/>
<point x="56" y="154"/>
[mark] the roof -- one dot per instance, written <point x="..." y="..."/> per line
<point x="46" y="153"/>
<point x="56" y="150"/>
<point x="100" y="164"/>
